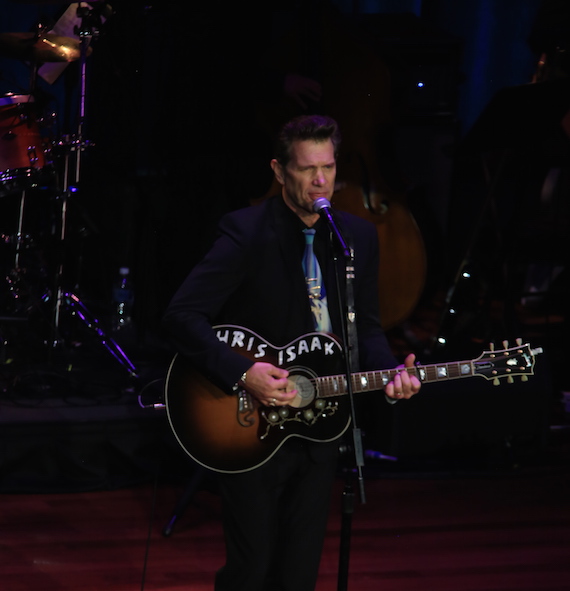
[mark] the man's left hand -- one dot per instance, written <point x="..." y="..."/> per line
<point x="403" y="385"/>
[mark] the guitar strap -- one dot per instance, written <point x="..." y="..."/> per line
<point x="350" y="321"/>
<point x="351" y="313"/>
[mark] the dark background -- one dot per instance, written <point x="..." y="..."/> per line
<point x="177" y="101"/>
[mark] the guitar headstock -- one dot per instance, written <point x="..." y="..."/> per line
<point x="507" y="362"/>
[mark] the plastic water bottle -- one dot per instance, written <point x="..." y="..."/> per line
<point x="123" y="297"/>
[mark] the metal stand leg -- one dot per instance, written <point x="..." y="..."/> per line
<point x="186" y="497"/>
<point x="78" y="309"/>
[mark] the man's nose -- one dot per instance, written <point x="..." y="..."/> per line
<point x="319" y="178"/>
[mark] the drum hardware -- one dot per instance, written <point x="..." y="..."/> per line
<point x="18" y="293"/>
<point x="25" y="157"/>
<point x="13" y="277"/>
<point x="23" y="166"/>
<point x="77" y="308"/>
<point x="23" y="154"/>
<point x="23" y="272"/>
<point x="20" y="232"/>
<point x="77" y="144"/>
<point x="40" y="47"/>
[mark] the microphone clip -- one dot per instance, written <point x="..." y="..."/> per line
<point x="323" y="207"/>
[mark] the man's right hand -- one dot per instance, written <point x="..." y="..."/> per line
<point x="269" y="384"/>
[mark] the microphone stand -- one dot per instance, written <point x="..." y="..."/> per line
<point x="350" y="345"/>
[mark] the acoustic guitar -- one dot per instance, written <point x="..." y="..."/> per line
<point x="234" y="433"/>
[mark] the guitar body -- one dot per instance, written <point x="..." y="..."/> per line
<point x="232" y="432"/>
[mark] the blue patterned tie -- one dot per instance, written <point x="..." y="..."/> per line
<point x="315" y="285"/>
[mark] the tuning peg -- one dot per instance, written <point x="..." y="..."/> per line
<point x="519" y="342"/>
<point x="496" y="382"/>
<point x="491" y="346"/>
<point x="510" y="379"/>
<point x="524" y="378"/>
<point x="505" y="344"/>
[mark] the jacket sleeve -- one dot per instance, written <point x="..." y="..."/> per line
<point x="194" y="307"/>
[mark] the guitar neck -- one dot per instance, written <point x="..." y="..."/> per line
<point x="368" y="381"/>
<point x="491" y="365"/>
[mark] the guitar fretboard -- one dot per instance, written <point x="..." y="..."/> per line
<point x="376" y="380"/>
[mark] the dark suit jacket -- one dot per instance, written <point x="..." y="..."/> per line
<point x="253" y="277"/>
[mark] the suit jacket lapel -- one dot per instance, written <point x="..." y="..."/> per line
<point x="292" y="244"/>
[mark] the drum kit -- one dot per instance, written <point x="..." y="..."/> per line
<point x="32" y="162"/>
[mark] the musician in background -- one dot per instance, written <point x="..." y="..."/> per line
<point x="275" y="515"/>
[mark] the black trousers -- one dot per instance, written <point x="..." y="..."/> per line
<point x="275" y="519"/>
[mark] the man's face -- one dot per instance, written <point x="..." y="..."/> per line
<point x="309" y="175"/>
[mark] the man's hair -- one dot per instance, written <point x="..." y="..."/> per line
<point x="318" y="128"/>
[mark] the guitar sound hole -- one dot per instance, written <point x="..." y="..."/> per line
<point x="305" y="390"/>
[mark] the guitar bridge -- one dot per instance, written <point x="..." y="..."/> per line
<point x="306" y="417"/>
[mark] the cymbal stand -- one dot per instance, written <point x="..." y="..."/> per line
<point x="78" y="144"/>
<point x="75" y="144"/>
<point x="14" y="275"/>
<point x="19" y="232"/>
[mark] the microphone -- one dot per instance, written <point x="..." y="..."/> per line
<point x="322" y="206"/>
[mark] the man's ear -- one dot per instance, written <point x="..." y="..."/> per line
<point x="278" y="171"/>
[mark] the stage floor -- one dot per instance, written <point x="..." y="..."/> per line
<point x="416" y="532"/>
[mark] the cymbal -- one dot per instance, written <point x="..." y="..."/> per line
<point x="46" y="48"/>
<point x="38" y="2"/>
